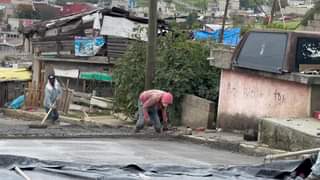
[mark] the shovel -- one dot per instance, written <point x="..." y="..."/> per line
<point x="42" y="125"/>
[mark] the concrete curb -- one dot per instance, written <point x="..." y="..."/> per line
<point x="252" y="149"/>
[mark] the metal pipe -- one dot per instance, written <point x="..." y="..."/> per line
<point x="21" y="173"/>
<point x="290" y="154"/>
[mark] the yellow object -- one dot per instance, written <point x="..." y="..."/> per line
<point x="9" y="74"/>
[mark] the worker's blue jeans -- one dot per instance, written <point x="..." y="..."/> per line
<point x="54" y="115"/>
<point x="154" y="117"/>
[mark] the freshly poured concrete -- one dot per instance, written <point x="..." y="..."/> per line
<point x="309" y="126"/>
<point x="123" y="152"/>
<point x="290" y="134"/>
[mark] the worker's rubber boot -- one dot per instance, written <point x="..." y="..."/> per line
<point x="137" y="130"/>
<point x="158" y="130"/>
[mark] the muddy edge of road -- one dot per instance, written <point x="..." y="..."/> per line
<point x="18" y="129"/>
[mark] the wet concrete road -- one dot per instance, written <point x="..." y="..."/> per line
<point x="123" y="152"/>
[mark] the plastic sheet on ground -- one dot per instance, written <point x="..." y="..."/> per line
<point x="39" y="169"/>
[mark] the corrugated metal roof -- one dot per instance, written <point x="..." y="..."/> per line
<point x="76" y="8"/>
<point x="13" y="74"/>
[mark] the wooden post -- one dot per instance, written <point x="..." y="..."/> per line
<point x="91" y="106"/>
<point x="84" y="86"/>
<point x="65" y="95"/>
<point x="224" y="21"/>
<point x="152" y="44"/>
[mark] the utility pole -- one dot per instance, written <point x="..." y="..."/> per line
<point x="224" y="21"/>
<point x="152" y="44"/>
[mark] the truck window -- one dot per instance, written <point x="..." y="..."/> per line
<point x="263" y="51"/>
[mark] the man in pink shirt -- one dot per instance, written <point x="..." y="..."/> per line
<point x="150" y="102"/>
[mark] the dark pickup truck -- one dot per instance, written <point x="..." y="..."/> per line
<point x="278" y="52"/>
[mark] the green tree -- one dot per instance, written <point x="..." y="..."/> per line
<point x="192" y="21"/>
<point x="310" y="14"/>
<point x="252" y="4"/>
<point x="181" y="68"/>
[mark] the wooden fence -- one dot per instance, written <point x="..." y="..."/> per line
<point x="35" y="96"/>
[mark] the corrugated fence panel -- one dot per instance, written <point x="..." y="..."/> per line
<point x="117" y="47"/>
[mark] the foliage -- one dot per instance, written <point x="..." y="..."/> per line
<point x="250" y="4"/>
<point x="129" y="77"/>
<point x="181" y="68"/>
<point x="293" y="25"/>
<point x="26" y="12"/>
<point x="192" y="21"/>
<point x="201" y="4"/>
<point x="246" y="28"/>
<point x="290" y="25"/>
<point x="309" y="15"/>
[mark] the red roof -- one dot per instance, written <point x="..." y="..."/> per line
<point x="76" y="8"/>
<point x="5" y="1"/>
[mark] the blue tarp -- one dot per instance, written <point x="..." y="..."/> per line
<point x="17" y="103"/>
<point x="231" y="36"/>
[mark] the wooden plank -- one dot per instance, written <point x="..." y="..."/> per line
<point x="101" y="104"/>
<point x="76" y="107"/>
<point x="33" y="98"/>
<point x="70" y="97"/>
<point x="103" y="99"/>
<point x="84" y="86"/>
<point x="81" y="100"/>
<point x="81" y="94"/>
<point x="91" y="105"/>
<point x="68" y="101"/>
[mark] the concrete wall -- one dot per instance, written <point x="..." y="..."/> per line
<point x="245" y="97"/>
<point x="197" y="112"/>
<point x="289" y="135"/>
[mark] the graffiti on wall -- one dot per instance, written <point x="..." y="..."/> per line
<point x="252" y="93"/>
<point x="279" y="97"/>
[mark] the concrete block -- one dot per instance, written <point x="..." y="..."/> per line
<point x="197" y="112"/>
<point x="290" y="134"/>
<point x="221" y="58"/>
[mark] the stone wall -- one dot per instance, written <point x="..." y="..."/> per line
<point x="221" y="57"/>
<point x="198" y="112"/>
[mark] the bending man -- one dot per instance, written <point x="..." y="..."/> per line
<point x="150" y="102"/>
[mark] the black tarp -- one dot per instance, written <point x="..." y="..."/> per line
<point x="39" y="169"/>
